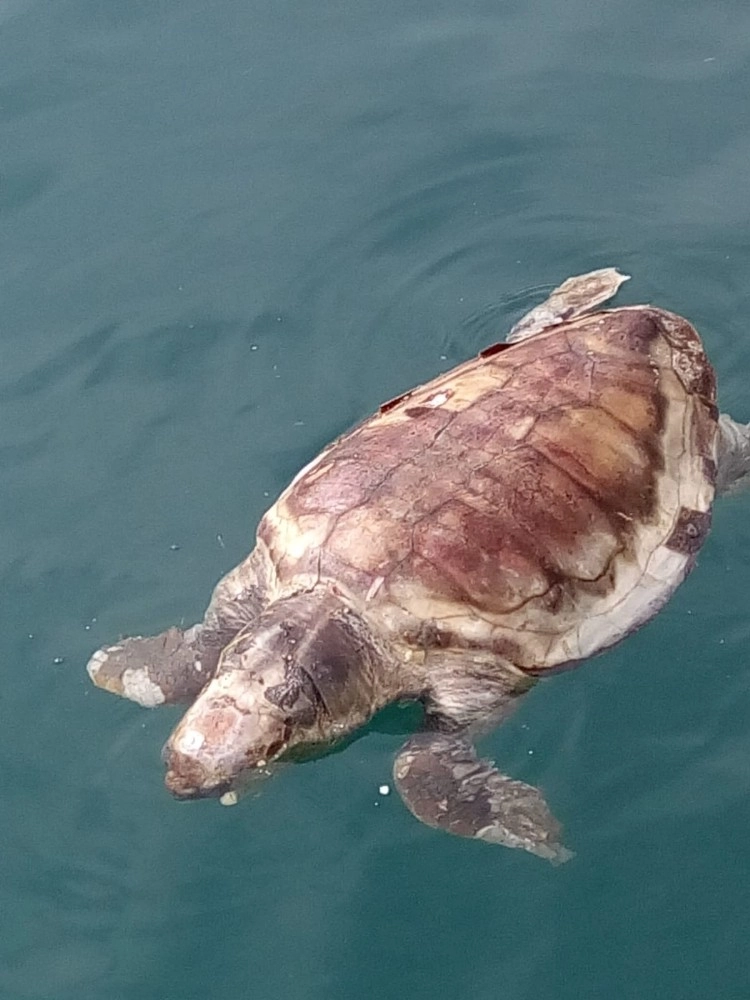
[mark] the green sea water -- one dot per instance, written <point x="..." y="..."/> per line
<point x="228" y="230"/>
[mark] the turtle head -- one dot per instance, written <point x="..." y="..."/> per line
<point x="302" y="674"/>
<point x="258" y="705"/>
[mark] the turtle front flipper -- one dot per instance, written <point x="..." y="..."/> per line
<point x="446" y="786"/>
<point x="156" y="670"/>
<point x="175" y="666"/>
<point x="574" y="297"/>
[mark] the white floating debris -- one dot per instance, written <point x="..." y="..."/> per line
<point x="229" y="798"/>
<point x="384" y="790"/>
<point x="61" y="659"/>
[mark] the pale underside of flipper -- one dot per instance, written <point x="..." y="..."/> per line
<point x="574" y="297"/>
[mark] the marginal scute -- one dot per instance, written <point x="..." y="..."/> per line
<point x="710" y="470"/>
<point x="690" y="531"/>
<point x="688" y="357"/>
<point x="392" y="403"/>
<point x="494" y="349"/>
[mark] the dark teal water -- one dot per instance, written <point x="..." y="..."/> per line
<point x="227" y="231"/>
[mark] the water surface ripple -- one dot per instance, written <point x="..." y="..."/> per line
<point x="228" y="231"/>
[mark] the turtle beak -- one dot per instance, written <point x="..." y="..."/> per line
<point x="186" y="782"/>
<point x="188" y="775"/>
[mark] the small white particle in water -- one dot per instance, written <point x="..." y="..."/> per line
<point x="31" y="635"/>
<point x="61" y="659"/>
<point x="530" y="753"/>
<point x="384" y="790"/>
<point x="229" y="799"/>
<point x="261" y="763"/>
<point x="220" y="540"/>
<point x="443" y="357"/>
<point x="174" y="547"/>
<point x="253" y="347"/>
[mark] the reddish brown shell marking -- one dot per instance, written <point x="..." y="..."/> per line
<point x="523" y="479"/>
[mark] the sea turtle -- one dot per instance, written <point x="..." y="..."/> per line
<point x="516" y="515"/>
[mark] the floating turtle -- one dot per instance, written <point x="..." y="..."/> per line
<point x="514" y="516"/>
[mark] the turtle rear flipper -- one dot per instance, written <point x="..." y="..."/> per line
<point x="733" y="455"/>
<point x="574" y="297"/>
<point x="446" y="786"/>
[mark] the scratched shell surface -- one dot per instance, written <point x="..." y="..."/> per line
<point x="539" y="501"/>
